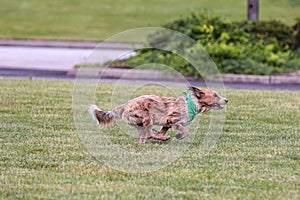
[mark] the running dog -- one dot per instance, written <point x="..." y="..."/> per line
<point x="145" y="111"/>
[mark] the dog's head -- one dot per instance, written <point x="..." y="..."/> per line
<point x="208" y="99"/>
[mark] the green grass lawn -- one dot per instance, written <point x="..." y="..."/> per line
<point x="99" y="19"/>
<point x="256" y="157"/>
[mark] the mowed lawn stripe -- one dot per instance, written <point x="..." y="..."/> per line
<point x="256" y="155"/>
<point x="100" y="19"/>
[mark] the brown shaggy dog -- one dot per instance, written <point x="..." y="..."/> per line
<point x="145" y="111"/>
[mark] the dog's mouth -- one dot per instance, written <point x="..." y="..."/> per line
<point x="216" y="106"/>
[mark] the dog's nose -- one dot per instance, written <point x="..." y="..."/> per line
<point x="226" y="100"/>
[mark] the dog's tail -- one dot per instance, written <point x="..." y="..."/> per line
<point x="103" y="118"/>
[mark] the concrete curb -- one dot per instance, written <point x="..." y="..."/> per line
<point x="137" y="74"/>
<point x="67" y="44"/>
<point x="276" y="79"/>
<point x="126" y="74"/>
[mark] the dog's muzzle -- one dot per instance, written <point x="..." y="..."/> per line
<point x="216" y="106"/>
<point x="219" y="106"/>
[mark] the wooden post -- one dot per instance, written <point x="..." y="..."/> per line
<point x="253" y="9"/>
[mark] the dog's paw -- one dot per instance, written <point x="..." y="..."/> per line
<point x="164" y="138"/>
<point x="159" y="137"/>
<point x="179" y="136"/>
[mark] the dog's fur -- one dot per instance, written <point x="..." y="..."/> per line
<point x="145" y="111"/>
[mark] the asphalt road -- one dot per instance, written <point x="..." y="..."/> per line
<point x="55" y="58"/>
<point x="41" y="58"/>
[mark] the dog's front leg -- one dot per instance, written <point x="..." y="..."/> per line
<point x="183" y="132"/>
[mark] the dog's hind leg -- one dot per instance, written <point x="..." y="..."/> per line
<point x="160" y="135"/>
<point x="183" y="132"/>
<point x="145" y="129"/>
<point x="144" y="123"/>
<point x="141" y="135"/>
<point x="163" y="130"/>
<point x="146" y="132"/>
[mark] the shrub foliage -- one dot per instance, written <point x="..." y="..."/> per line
<point x="245" y="47"/>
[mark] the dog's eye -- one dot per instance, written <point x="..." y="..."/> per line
<point x="215" y="95"/>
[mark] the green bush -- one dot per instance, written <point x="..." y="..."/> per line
<point x="270" y="32"/>
<point x="243" y="47"/>
<point x="296" y="28"/>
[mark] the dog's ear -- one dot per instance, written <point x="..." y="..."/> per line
<point x="198" y="93"/>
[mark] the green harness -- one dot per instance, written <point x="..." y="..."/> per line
<point x="192" y="108"/>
